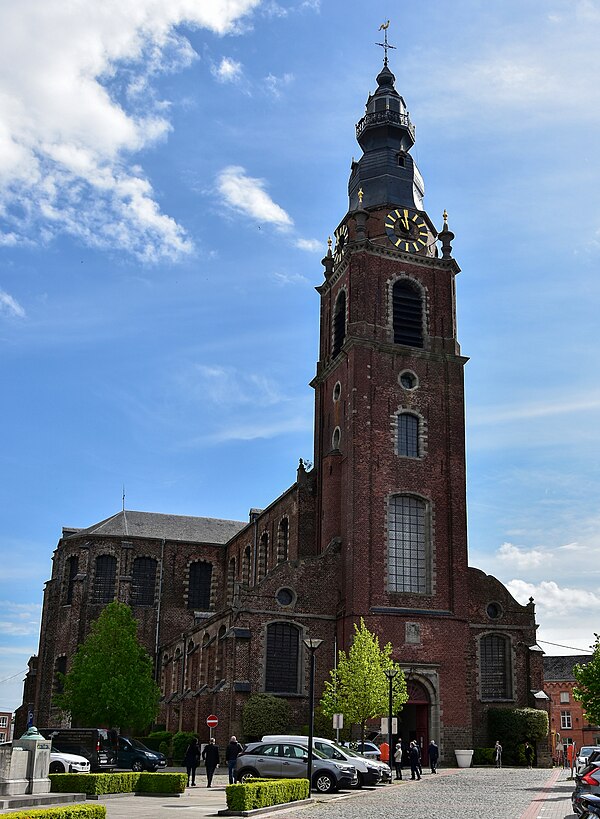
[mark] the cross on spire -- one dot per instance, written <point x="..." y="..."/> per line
<point x="385" y="45"/>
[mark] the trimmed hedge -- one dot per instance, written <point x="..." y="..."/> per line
<point x="180" y="743"/>
<point x="484" y="756"/>
<point x="64" y="812"/>
<point x="96" y="784"/>
<point x="515" y="726"/>
<point x="262" y="793"/>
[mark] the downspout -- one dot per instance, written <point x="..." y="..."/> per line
<point x="158" y="608"/>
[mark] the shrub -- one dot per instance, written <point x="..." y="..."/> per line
<point x="64" y="812"/>
<point x="265" y="714"/>
<point x="262" y="793"/>
<point x="98" y="784"/>
<point x="483" y="756"/>
<point x="154" y="741"/>
<point x="515" y="726"/>
<point x="179" y="744"/>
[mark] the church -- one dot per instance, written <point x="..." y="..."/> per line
<point x="377" y="528"/>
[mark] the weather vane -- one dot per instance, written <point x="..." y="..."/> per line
<point x="385" y="45"/>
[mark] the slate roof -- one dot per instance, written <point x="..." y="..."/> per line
<point x="561" y="668"/>
<point x="128" y="524"/>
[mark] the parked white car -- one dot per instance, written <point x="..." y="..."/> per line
<point x="68" y="763"/>
<point x="581" y="760"/>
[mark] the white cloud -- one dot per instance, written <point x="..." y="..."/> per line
<point x="552" y="599"/>
<point x="19" y="619"/>
<point x="289" y="278"/>
<point x="276" y="85"/>
<point x="10" y="305"/>
<point x="66" y="141"/>
<point x="228" y="70"/>
<point x="481" y="416"/>
<point x="522" y="558"/>
<point x="226" y="386"/>
<point x="247" y="195"/>
<point x="311" y="245"/>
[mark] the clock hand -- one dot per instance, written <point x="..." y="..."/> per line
<point x="406" y="225"/>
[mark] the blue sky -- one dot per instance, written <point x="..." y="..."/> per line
<point x="169" y="174"/>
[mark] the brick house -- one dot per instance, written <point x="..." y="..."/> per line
<point x="568" y="722"/>
<point x="376" y="529"/>
<point x="6" y="726"/>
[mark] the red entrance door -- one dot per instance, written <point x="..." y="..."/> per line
<point x="417" y="716"/>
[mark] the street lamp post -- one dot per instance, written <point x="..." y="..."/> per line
<point x="312" y="644"/>
<point x="390" y="673"/>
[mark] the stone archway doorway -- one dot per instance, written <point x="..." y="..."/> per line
<point x="413" y="720"/>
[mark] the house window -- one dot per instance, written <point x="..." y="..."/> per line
<point x="3" y="722"/>
<point x="565" y="720"/>
<point x="143" y="582"/>
<point x="408" y="545"/>
<point x="408" y="435"/>
<point x="199" y="587"/>
<point x="407" y="310"/>
<point x="564" y="696"/>
<point x="2" y="736"/>
<point x="103" y="590"/>
<point x="281" y="672"/>
<point x="71" y="570"/>
<point x="495" y="667"/>
<point x="339" y="323"/>
<point x="283" y="540"/>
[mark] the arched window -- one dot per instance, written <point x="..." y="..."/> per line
<point x="339" y="323"/>
<point x="263" y="551"/>
<point x="408" y="435"/>
<point x="231" y="580"/>
<point x="283" y="540"/>
<point x="71" y="569"/>
<point x="220" y="663"/>
<point x="105" y="574"/>
<point x="281" y="673"/>
<point x="495" y="667"/>
<point x="407" y="313"/>
<point x="408" y="547"/>
<point x="204" y="660"/>
<point x="246" y="566"/>
<point x="200" y="577"/>
<point x="143" y="582"/>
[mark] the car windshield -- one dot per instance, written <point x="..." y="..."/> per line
<point x="139" y="745"/>
<point x="587" y="750"/>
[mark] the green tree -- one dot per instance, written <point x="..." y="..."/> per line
<point x="110" y="682"/>
<point x="587" y="690"/>
<point x="265" y="714"/>
<point x="359" y="688"/>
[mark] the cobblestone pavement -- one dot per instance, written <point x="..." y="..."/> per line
<point x="473" y="793"/>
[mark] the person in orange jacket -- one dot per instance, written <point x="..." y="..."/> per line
<point x="384" y="750"/>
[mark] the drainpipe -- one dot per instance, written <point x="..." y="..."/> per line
<point x="158" y="607"/>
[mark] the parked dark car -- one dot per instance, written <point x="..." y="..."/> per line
<point x="133" y="754"/>
<point x="288" y="760"/>
<point x="587" y="782"/>
<point x="97" y="745"/>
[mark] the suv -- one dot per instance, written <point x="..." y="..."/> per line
<point x="369" y="749"/>
<point x="67" y="763"/>
<point x="288" y="760"/>
<point x="583" y="756"/>
<point x="134" y="754"/>
<point x="368" y="772"/>
<point x="97" y="745"/>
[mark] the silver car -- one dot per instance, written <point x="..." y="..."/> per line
<point x="288" y="760"/>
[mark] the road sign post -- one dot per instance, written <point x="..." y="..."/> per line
<point x="212" y="721"/>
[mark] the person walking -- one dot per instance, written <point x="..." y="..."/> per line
<point x="233" y="750"/>
<point x="398" y="759"/>
<point x="498" y="754"/>
<point x="434" y="753"/>
<point x="210" y="755"/>
<point x="191" y="760"/>
<point x="528" y="754"/>
<point x="415" y="763"/>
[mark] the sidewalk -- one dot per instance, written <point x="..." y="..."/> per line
<point x="553" y="801"/>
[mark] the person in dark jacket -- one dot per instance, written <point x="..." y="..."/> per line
<point x="233" y="750"/>
<point x="191" y="760"/>
<point x="415" y="762"/>
<point x="210" y="755"/>
<point x="433" y="753"/>
<point x="529" y="754"/>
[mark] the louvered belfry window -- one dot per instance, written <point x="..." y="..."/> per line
<point x="104" y="579"/>
<point x="339" y="323"/>
<point x="495" y="669"/>
<point x="143" y="581"/>
<point x="199" y="588"/>
<point x="407" y="314"/>
<point x="282" y="658"/>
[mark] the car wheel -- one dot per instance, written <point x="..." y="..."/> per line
<point x="246" y="774"/>
<point x="137" y="766"/>
<point x="56" y="767"/>
<point x="323" y="783"/>
<point x="361" y="780"/>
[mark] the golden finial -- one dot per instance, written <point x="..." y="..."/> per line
<point x="360" y="195"/>
<point x="329" y="242"/>
<point x="445" y="217"/>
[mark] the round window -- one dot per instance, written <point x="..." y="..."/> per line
<point x="335" y="441"/>
<point x="494" y="611"/>
<point x="408" y="380"/>
<point x="337" y="391"/>
<point x="285" y="597"/>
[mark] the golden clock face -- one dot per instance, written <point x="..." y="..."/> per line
<point x="406" y="229"/>
<point x="341" y="240"/>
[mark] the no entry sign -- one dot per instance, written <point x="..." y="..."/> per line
<point x="212" y="721"/>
